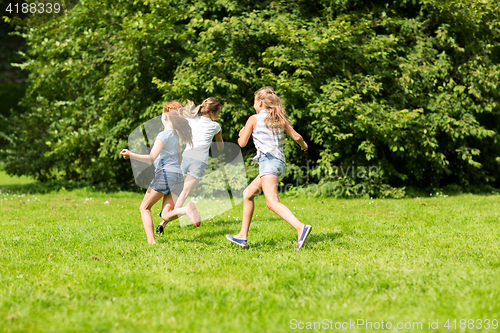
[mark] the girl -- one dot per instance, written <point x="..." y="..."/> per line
<point x="195" y="158"/>
<point x="267" y="127"/>
<point x="168" y="182"/>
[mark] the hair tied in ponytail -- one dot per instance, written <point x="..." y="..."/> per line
<point x="190" y="110"/>
<point x="209" y="106"/>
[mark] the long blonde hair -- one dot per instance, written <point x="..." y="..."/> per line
<point x="208" y="106"/>
<point x="276" y="117"/>
<point x="180" y="124"/>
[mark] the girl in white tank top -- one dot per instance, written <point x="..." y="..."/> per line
<point x="267" y="128"/>
<point x="267" y="140"/>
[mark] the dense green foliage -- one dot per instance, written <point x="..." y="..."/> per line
<point x="408" y="86"/>
<point x="12" y="80"/>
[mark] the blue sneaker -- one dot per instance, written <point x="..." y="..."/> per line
<point x="240" y="242"/>
<point x="303" y="237"/>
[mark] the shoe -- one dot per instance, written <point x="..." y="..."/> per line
<point x="240" y="242"/>
<point x="193" y="214"/>
<point x="305" y="232"/>
<point x="159" y="229"/>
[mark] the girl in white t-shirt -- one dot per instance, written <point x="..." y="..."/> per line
<point x="195" y="157"/>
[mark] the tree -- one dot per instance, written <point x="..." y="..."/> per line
<point x="407" y="86"/>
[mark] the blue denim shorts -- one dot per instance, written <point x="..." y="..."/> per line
<point x="166" y="182"/>
<point x="193" y="167"/>
<point x="270" y="165"/>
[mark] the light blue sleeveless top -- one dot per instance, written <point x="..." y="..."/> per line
<point x="267" y="140"/>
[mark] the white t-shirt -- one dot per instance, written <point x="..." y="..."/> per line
<point x="204" y="130"/>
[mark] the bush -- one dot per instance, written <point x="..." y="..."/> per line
<point x="408" y="86"/>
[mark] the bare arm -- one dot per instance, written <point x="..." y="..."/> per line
<point x="220" y="142"/>
<point x="246" y="131"/>
<point x="155" y="151"/>
<point x="296" y="136"/>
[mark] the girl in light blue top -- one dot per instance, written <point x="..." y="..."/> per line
<point x="267" y="128"/>
<point x="169" y="181"/>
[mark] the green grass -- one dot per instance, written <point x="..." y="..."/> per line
<point x="68" y="263"/>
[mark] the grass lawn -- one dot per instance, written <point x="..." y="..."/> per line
<point x="69" y="261"/>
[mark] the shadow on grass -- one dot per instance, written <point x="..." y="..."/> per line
<point x="201" y="241"/>
<point x="212" y="237"/>
<point x="223" y="222"/>
<point x="53" y="186"/>
<point x="216" y="233"/>
<point x="24" y="185"/>
<point x="207" y="237"/>
<point x="319" y="238"/>
<point x="271" y="244"/>
<point x="14" y="188"/>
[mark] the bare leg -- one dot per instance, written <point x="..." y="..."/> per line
<point x="270" y="188"/>
<point x="190" y="184"/>
<point x="189" y="209"/>
<point x="150" y="198"/>
<point x="167" y="206"/>
<point x="249" y="194"/>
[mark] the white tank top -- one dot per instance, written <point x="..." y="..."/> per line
<point x="267" y="140"/>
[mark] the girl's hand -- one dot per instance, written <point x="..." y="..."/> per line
<point x="306" y="147"/>
<point x="125" y="153"/>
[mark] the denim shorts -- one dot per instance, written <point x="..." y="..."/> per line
<point x="193" y="167"/>
<point x="166" y="182"/>
<point x="270" y="165"/>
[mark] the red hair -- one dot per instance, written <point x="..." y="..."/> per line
<point x="180" y="124"/>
